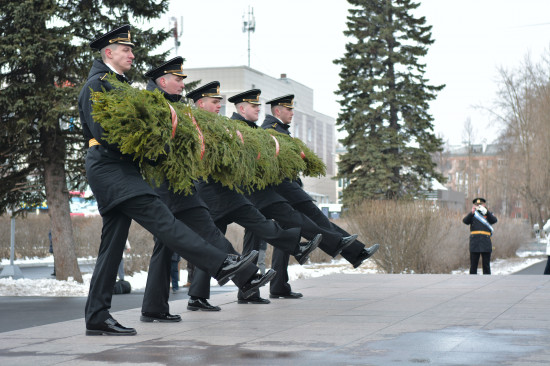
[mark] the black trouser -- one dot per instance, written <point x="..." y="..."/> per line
<point x="288" y="217"/>
<point x="485" y="262"/>
<point x="308" y="208"/>
<point x="279" y="261"/>
<point x="279" y="284"/>
<point x="157" y="290"/>
<point x="255" y="223"/>
<point x="547" y="269"/>
<point x="248" y="216"/>
<point x="154" y="216"/>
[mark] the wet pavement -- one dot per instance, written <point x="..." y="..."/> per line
<point x="341" y="320"/>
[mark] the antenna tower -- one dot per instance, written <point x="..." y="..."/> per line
<point x="249" y="25"/>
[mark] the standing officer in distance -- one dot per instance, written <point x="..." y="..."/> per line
<point x="480" y="221"/>
<point x="122" y="196"/>
<point x="274" y="206"/>
<point x="193" y="212"/>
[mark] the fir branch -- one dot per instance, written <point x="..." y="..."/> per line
<point x="139" y="122"/>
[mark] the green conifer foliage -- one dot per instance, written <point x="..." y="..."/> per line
<point x="384" y="102"/>
<point x="240" y="157"/>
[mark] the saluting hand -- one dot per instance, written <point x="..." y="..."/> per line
<point x="482" y="210"/>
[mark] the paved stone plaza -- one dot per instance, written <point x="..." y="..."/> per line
<point x="342" y="320"/>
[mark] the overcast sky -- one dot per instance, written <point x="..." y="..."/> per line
<point x="301" y="38"/>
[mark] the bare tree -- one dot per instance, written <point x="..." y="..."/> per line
<point x="523" y="108"/>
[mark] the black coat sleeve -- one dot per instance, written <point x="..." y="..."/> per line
<point x="468" y="218"/>
<point x="491" y="219"/>
<point x="93" y="127"/>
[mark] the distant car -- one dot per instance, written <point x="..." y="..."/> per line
<point x="81" y="206"/>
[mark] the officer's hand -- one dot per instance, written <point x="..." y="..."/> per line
<point x="474" y="207"/>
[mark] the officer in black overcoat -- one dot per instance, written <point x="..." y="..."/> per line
<point x="480" y="220"/>
<point x="228" y="206"/>
<point x="192" y="211"/>
<point x="282" y="109"/>
<point x="122" y="196"/>
<point x="276" y="207"/>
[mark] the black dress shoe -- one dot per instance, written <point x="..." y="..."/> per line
<point x="257" y="281"/>
<point x="254" y="300"/>
<point x="345" y="242"/>
<point x="159" y="317"/>
<point x="365" y="254"/>
<point x="305" y="249"/>
<point x="201" y="304"/>
<point x="233" y="264"/>
<point x="109" y="327"/>
<point x="290" y="295"/>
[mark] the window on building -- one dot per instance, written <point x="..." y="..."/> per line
<point x="518" y="215"/>
<point x="489" y="163"/>
<point x="518" y="203"/>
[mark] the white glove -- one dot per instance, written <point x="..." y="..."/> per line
<point x="482" y="210"/>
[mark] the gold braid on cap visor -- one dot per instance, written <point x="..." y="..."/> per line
<point x="216" y="94"/>
<point x="176" y="72"/>
<point x="128" y="39"/>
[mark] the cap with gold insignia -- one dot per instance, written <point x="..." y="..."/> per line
<point x="285" y="101"/>
<point x="251" y="96"/>
<point x="211" y="90"/>
<point x="121" y="35"/>
<point x="173" y="66"/>
<point x="479" y="200"/>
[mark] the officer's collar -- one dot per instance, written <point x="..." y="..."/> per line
<point x="113" y="69"/>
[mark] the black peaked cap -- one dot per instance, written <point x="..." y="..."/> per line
<point x="120" y="35"/>
<point x="251" y="96"/>
<point x="211" y="90"/>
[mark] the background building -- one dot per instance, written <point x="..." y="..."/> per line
<point x="315" y="129"/>
<point x="479" y="170"/>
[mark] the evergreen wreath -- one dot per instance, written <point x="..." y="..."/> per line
<point x="202" y="144"/>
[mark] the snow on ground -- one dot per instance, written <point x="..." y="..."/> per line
<point x="52" y="287"/>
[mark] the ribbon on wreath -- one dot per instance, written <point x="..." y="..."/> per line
<point x="276" y="145"/>
<point x="174" y="120"/>
<point x="240" y="136"/>
<point x="201" y="136"/>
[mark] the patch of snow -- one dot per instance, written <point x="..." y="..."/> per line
<point x="52" y="287"/>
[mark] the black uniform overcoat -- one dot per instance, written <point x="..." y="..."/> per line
<point x="290" y="189"/>
<point x="480" y="243"/>
<point x="113" y="176"/>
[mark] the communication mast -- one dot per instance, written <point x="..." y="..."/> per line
<point x="249" y="25"/>
<point x="175" y="32"/>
